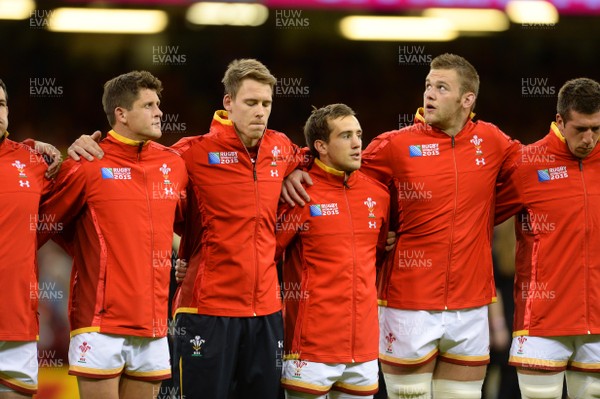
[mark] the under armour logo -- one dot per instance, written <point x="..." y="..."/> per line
<point x="24" y="183"/>
<point x="168" y="191"/>
<point x="280" y="344"/>
<point x="480" y="161"/>
<point x="274" y="173"/>
<point x="372" y="225"/>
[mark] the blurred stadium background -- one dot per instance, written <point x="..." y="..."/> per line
<point x="55" y="64"/>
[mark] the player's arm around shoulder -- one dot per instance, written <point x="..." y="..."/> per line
<point x="66" y="196"/>
<point x="291" y="220"/>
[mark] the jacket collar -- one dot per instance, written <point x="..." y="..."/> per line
<point x="126" y="146"/>
<point x="420" y="120"/>
<point x="331" y="175"/>
<point x="559" y="144"/>
<point x="223" y="126"/>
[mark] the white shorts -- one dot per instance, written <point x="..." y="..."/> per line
<point x="97" y="355"/>
<point x="412" y="338"/>
<point x="18" y="367"/>
<point x="319" y="378"/>
<point x="577" y="352"/>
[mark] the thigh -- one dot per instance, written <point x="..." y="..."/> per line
<point x="540" y="353"/>
<point x="466" y="338"/>
<point x="408" y="338"/>
<point x="92" y="388"/>
<point x="6" y="393"/>
<point x="136" y="389"/>
<point x="308" y="377"/>
<point x="96" y="355"/>
<point x="457" y="372"/>
<point x="146" y="359"/>
<point x="358" y="379"/>
<point x="586" y="356"/>
<point x="260" y="353"/>
<point x="18" y="367"/>
<point x="205" y="354"/>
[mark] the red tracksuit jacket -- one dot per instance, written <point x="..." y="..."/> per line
<point x="330" y="295"/>
<point x="557" y="280"/>
<point x="229" y="235"/>
<point x="22" y="183"/>
<point x="444" y="193"/>
<point x="118" y="215"/>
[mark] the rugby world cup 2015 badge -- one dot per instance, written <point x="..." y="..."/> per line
<point x="222" y="158"/>
<point x="559" y="172"/>
<point x="116" y="173"/>
<point x="424" y="150"/>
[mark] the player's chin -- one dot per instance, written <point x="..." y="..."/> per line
<point x="353" y="164"/>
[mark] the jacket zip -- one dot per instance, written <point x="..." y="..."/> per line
<point x="256" y="223"/>
<point x="353" y="337"/>
<point x="451" y="224"/>
<point x="585" y="251"/>
<point x="139" y="161"/>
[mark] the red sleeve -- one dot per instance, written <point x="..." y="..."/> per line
<point x="509" y="191"/>
<point x="183" y="145"/>
<point x="180" y="211"/>
<point x="301" y="158"/>
<point x="64" y="201"/>
<point x="376" y="159"/>
<point x="289" y="221"/>
<point x="382" y="240"/>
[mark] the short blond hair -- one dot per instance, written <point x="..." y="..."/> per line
<point x="246" y="68"/>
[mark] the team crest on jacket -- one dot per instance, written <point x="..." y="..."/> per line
<point x="275" y="152"/>
<point x="324" y="209"/>
<point x="476" y="141"/>
<point x="560" y="172"/>
<point x="21" y="169"/>
<point x="223" y="157"/>
<point x="116" y="173"/>
<point x="424" y="150"/>
<point x="371" y="206"/>
<point x="164" y="169"/>
<point x="197" y="343"/>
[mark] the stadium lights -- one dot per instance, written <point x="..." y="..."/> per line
<point x="531" y="12"/>
<point x="105" y="20"/>
<point x="472" y="20"/>
<point x="16" y="9"/>
<point x="239" y="14"/>
<point x="397" y="28"/>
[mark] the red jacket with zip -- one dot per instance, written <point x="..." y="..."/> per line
<point x="118" y="215"/>
<point x="22" y="183"/>
<point x="229" y="234"/>
<point x="444" y="191"/>
<point x="330" y="296"/>
<point x="557" y="279"/>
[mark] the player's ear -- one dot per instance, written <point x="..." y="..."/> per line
<point x="321" y="147"/>
<point x="121" y="115"/>
<point x="469" y="99"/>
<point x="227" y="100"/>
